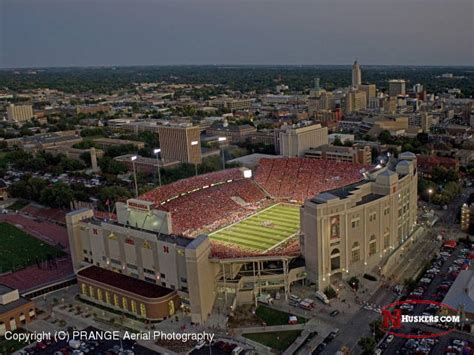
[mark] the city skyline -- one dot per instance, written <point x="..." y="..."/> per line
<point x="266" y="32"/>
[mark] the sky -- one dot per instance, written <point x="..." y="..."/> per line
<point x="52" y="33"/>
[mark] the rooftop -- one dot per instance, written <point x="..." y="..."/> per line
<point x="126" y="283"/>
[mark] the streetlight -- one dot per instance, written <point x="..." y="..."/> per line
<point x="222" y="139"/>
<point x="133" y="158"/>
<point x="157" y="153"/>
<point x="430" y="191"/>
<point x="194" y="143"/>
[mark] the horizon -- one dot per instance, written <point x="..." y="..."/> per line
<point x="342" y="66"/>
<point x="101" y="33"/>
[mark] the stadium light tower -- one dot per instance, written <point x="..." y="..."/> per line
<point x="157" y="151"/>
<point x="133" y="158"/>
<point x="221" y="140"/>
<point x="193" y="143"/>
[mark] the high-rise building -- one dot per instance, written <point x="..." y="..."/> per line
<point x="352" y="230"/>
<point x="426" y="122"/>
<point x="19" y="113"/>
<point x="396" y="87"/>
<point x="293" y="141"/>
<point x="355" y="101"/>
<point x="356" y="75"/>
<point x="370" y="91"/>
<point x="180" y="142"/>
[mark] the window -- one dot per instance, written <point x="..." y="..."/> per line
<point x="116" y="301"/>
<point x="355" y="252"/>
<point x="372" y="216"/>
<point x="142" y="310"/>
<point x="386" y="238"/>
<point x="107" y="297"/>
<point x="99" y="294"/>
<point x="386" y="211"/>
<point x="372" y="245"/>
<point x="355" y="223"/>
<point x="84" y="289"/>
<point x="124" y="303"/>
<point x="335" y="259"/>
<point x="162" y="276"/>
<point x="134" y="306"/>
<point x="91" y="291"/>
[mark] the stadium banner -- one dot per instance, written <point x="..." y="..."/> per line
<point x="139" y="205"/>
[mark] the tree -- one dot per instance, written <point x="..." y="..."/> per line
<point x="367" y="344"/>
<point x="385" y="137"/>
<point x="337" y="141"/>
<point x="112" y="194"/>
<point x="59" y="196"/>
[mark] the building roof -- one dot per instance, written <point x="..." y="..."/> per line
<point x="461" y="292"/>
<point x="4" y="289"/>
<point x="124" y="282"/>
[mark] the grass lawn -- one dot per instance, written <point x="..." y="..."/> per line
<point x="262" y="230"/>
<point x="276" y="340"/>
<point x="18" y="249"/>
<point x="10" y="346"/>
<point x="274" y="317"/>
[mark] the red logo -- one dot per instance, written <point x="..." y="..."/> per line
<point x="394" y="321"/>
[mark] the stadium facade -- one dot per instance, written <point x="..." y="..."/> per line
<point x="351" y="230"/>
<point x="161" y="238"/>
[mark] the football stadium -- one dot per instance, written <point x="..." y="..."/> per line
<point x="221" y="239"/>
<point x="248" y="212"/>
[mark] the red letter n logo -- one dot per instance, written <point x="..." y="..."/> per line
<point x="391" y="320"/>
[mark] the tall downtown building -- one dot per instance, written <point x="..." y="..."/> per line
<point x="356" y="75"/>
<point x="351" y="230"/>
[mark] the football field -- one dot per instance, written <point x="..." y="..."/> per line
<point x="262" y="230"/>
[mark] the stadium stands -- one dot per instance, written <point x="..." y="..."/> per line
<point x="298" y="178"/>
<point x="208" y="202"/>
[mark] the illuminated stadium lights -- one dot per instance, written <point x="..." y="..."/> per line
<point x="247" y="174"/>
<point x="221" y="140"/>
<point x="157" y="151"/>
<point x="193" y="143"/>
<point x="133" y="158"/>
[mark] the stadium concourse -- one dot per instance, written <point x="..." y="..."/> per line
<point x="209" y="202"/>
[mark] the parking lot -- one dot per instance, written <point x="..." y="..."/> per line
<point x="433" y="285"/>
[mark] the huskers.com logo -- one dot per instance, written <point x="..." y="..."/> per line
<point x="398" y="318"/>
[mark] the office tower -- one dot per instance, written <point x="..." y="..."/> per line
<point x="396" y="87"/>
<point x="295" y="140"/>
<point x="355" y="101"/>
<point x="180" y="142"/>
<point x="19" y="113"/>
<point x="356" y="75"/>
<point x="370" y="91"/>
<point x="426" y="121"/>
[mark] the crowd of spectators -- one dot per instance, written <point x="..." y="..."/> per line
<point x="214" y="206"/>
<point x="298" y="178"/>
<point x="167" y="193"/>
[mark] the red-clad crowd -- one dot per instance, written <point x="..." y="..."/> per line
<point x="217" y="204"/>
<point x="184" y="186"/>
<point x="299" y="178"/>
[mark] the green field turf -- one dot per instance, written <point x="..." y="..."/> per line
<point x="18" y="249"/>
<point x="262" y="230"/>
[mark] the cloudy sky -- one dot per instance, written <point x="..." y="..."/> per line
<point x="39" y="33"/>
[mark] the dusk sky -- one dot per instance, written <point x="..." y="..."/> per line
<point x="42" y="33"/>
